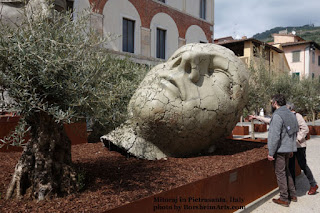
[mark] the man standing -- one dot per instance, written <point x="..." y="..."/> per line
<point x="281" y="144"/>
<point x="301" y="152"/>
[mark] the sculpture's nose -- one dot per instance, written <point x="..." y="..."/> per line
<point x="190" y="66"/>
<point x="183" y="71"/>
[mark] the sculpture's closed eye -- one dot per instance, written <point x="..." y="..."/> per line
<point x="176" y="62"/>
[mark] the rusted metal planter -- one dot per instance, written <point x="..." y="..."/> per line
<point x="225" y="192"/>
<point x="7" y="125"/>
<point x="240" y="130"/>
<point x="77" y="132"/>
<point x="260" y="127"/>
<point x="314" y="130"/>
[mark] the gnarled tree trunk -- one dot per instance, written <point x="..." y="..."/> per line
<point x="45" y="167"/>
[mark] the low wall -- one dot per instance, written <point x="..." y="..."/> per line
<point x="314" y="130"/>
<point x="225" y="192"/>
<point x="240" y="130"/>
<point x="76" y="132"/>
<point x="260" y="127"/>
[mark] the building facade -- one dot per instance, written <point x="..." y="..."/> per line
<point x="254" y="53"/>
<point x="150" y="28"/>
<point x="303" y="56"/>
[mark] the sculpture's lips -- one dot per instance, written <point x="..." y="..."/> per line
<point x="170" y="84"/>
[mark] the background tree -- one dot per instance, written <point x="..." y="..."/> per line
<point x="56" y="72"/>
<point x="307" y="97"/>
<point x="284" y="84"/>
<point x="260" y="84"/>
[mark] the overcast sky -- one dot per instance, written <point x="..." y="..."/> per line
<point x="239" y="18"/>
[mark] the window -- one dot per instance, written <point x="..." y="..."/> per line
<point x="164" y="1"/>
<point x="128" y="36"/>
<point x="266" y="53"/>
<point x="203" y="8"/>
<point x="161" y="43"/>
<point x="319" y="60"/>
<point x="313" y="57"/>
<point x="296" y="75"/>
<point x="312" y="75"/>
<point x="256" y="50"/>
<point x="203" y="42"/>
<point x="236" y="48"/>
<point x="296" y="56"/>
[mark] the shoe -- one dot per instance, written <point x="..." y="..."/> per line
<point x="294" y="199"/>
<point x="313" y="190"/>
<point x="281" y="202"/>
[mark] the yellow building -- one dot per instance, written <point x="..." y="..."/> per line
<point x="254" y="52"/>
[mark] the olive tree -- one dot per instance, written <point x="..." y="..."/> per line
<point x="307" y="97"/>
<point x="55" y="71"/>
<point x="303" y="93"/>
<point x="284" y="84"/>
<point x="260" y="84"/>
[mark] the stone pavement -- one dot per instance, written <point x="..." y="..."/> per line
<point x="306" y="203"/>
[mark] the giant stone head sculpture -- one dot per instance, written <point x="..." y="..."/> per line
<point x="184" y="106"/>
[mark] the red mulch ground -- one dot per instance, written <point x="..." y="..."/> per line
<point x="113" y="180"/>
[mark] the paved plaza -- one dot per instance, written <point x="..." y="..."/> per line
<point x="306" y="203"/>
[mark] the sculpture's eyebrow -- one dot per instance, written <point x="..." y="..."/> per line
<point x="173" y="57"/>
<point x="220" y="62"/>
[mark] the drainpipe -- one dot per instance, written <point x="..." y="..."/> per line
<point x="307" y="62"/>
<point x="270" y="61"/>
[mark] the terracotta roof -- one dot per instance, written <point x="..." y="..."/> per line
<point x="228" y="38"/>
<point x="252" y="40"/>
<point x="301" y="43"/>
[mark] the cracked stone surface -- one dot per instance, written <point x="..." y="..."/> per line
<point x="12" y="11"/>
<point x="184" y="106"/>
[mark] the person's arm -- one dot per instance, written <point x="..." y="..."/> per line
<point x="263" y="119"/>
<point x="274" y="135"/>
<point x="303" y="128"/>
